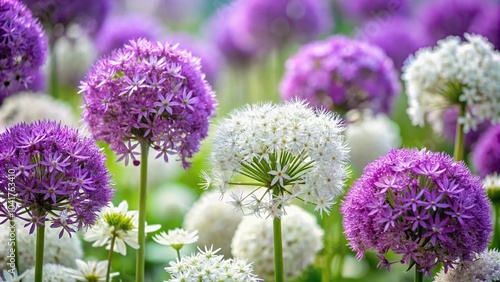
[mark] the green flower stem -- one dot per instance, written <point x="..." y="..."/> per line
<point x="178" y="254"/>
<point x="40" y="236"/>
<point x="328" y="258"/>
<point x="278" y="247"/>
<point x="496" y="234"/>
<point x="53" y="83"/>
<point x="459" y="136"/>
<point x="110" y="257"/>
<point x="141" y="252"/>
<point x="419" y="276"/>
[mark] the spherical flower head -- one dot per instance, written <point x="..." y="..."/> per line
<point x="90" y="271"/>
<point x="62" y="250"/>
<point x="363" y="10"/>
<point x="342" y="74"/>
<point x="451" y="74"/>
<point x="422" y="205"/>
<point x="484" y="268"/>
<point x="23" y="46"/>
<point x="492" y="186"/>
<point x="210" y="266"/>
<point x="120" y="223"/>
<point x="302" y="240"/>
<point x="290" y="150"/>
<point x="51" y="273"/>
<point x="486" y="153"/>
<point x="370" y="137"/>
<point x="152" y="93"/>
<point x="56" y="175"/>
<point x="215" y="219"/>
<point x="30" y="107"/>
<point x="272" y="24"/>
<point x="176" y="238"/>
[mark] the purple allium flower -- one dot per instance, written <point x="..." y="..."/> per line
<point x="53" y="175"/>
<point x="449" y="125"/>
<point x="442" y="18"/>
<point x="406" y="33"/>
<point x="489" y="26"/>
<point x="119" y="30"/>
<point x="486" y="153"/>
<point x="272" y="24"/>
<point x="342" y="74"/>
<point x="180" y="12"/>
<point x="360" y="10"/>
<point x="57" y="15"/>
<point x="148" y="92"/>
<point x="22" y="47"/>
<point x="422" y="205"/>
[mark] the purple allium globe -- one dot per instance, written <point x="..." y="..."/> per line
<point x="22" y="47"/>
<point x="486" y="153"/>
<point x="422" y="205"/>
<point x="342" y="74"/>
<point x="272" y="24"/>
<point x="362" y="10"/>
<point x="148" y="92"/>
<point x="53" y="175"/>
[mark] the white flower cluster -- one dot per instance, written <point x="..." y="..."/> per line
<point x="208" y="266"/>
<point x="454" y="72"/>
<point x="485" y="268"/>
<point x="62" y="251"/>
<point x="302" y="238"/>
<point x="492" y="181"/>
<point x="90" y="271"/>
<point x="216" y="221"/>
<point x="51" y="273"/>
<point x="176" y="238"/>
<point x="291" y="146"/>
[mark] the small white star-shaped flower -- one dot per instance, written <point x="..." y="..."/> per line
<point x="279" y="174"/>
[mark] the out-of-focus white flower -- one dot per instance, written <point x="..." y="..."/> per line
<point x="492" y="185"/>
<point x="215" y="219"/>
<point x="210" y="266"/>
<point x="302" y="239"/>
<point x="62" y="250"/>
<point x="485" y="268"/>
<point x="12" y="277"/>
<point x="454" y="73"/>
<point x="371" y="137"/>
<point x="51" y="273"/>
<point x="91" y="271"/>
<point x="176" y="238"/>
<point x="118" y="222"/>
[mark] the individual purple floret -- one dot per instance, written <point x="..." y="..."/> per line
<point x="272" y="24"/>
<point x="22" y="47"/>
<point x="486" y="153"/>
<point x="421" y="205"/>
<point x="342" y="74"/>
<point x="450" y="126"/>
<point x="50" y="174"/>
<point x="148" y="92"/>
<point x="442" y="18"/>
<point x="362" y="10"/>
<point x="119" y="30"/>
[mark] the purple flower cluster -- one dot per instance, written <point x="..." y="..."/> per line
<point x="421" y="205"/>
<point x="361" y="10"/>
<point x="51" y="174"/>
<point x="486" y="153"/>
<point x="342" y="74"/>
<point x="148" y="92"/>
<point x="22" y="47"/>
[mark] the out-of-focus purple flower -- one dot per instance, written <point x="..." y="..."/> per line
<point x="148" y="92"/>
<point x="180" y="12"/>
<point x="384" y="34"/>
<point x="489" y="26"/>
<point x="57" y="15"/>
<point x="342" y="74"/>
<point x="38" y="83"/>
<point x="422" y="205"/>
<point x="272" y="24"/>
<point x="22" y="47"/>
<point x="361" y="10"/>
<point x="53" y="175"/>
<point x="486" y="153"/>
<point x="449" y="124"/>
<point x="442" y="18"/>
<point x="119" y="30"/>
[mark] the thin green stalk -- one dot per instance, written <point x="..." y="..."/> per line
<point x="327" y="267"/>
<point x="141" y="252"/>
<point x="419" y="276"/>
<point x="178" y="254"/>
<point x="53" y="83"/>
<point x="496" y="234"/>
<point x="40" y="236"/>
<point x="459" y="136"/>
<point x="278" y="247"/>
<point x="110" y="257"/>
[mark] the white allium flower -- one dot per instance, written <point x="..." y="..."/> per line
<point x="62" y="250"/>
<point x="51" y="273"/>
<point x="485" y="268"/>
<point x="492" y="185"/>
<point x="302" y="239"/>
<point x="454" y="73"/>
<point x="119" y="222"/>
<point x="29" y="107"/>
<point x="172" y="199"/>
<point x="90" y="271"/>
<point x="176" y="238"/>
<point x="370" y="137"/>
<point x="281" y="148"/>
<point x="11" y="276"/>
<point x="208" y="266"/>
<point x="215" y="219"/>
